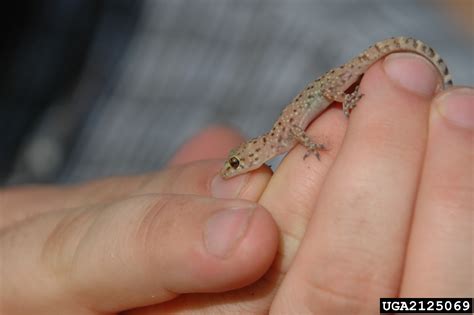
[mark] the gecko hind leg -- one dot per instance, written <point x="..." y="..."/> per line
<point x="312" y="147"/>
<point x="350" y="101"/>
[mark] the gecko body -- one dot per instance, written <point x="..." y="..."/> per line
<point x="289" y="129"/>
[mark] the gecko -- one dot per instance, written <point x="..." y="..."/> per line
<point x="289" y="129"/>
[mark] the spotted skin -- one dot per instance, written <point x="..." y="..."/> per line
<point x="289" y="129"/>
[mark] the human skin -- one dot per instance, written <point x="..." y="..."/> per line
<point x="386" y="212"/>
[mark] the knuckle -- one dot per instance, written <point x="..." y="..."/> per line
<point x="454" y="196"/>
<point x="59" y="251"/>
<point x="158" y="223"/>
<point x="345" y="287"/>
<point x="332" y="300"/>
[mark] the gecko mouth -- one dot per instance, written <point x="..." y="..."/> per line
<point x="225" y="171"/>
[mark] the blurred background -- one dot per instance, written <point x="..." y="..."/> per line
<point x="91" y="88"/>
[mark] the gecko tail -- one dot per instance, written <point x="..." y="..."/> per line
<point x="399" y="44"/>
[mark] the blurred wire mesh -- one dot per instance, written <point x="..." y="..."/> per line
<point x="97" y="88"/>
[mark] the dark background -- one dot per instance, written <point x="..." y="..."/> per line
<point x="44" y="49"/>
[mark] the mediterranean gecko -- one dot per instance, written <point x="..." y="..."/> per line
<point x="289" y="129"/>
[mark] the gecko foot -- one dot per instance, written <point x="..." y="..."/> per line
<point x="311" y="147"/>
<point x="350" y="101"/>
<point x="315" y="148"/>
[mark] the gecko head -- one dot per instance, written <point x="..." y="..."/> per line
<point x="241" y="160"/>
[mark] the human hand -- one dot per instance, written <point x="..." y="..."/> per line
<point x="349" y="237"/>
<point x="387" y="212"/>
<point x="122" y="243"/>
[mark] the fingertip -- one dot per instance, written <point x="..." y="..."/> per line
<point x="390" y="122"/>
<point x="261" y="241"/>
<point x="241" y="257"/>
<point x="247" y="186"/>
<point x="224" y="229"/>
<point x="456" y="105"/>
<point x="412" y="72"/>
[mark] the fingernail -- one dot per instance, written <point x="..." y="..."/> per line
<point x="228" y="188"/>
<point x="412" y="72"/>
<point x="225" y="229"/>
<point x="457" y="105"/>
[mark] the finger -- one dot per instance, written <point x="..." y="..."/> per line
<point x="198" y="178"/>
<point x="20" y="203"/>
<point x="134" y="252"/>
<point x="24" y="202"/>
<point x="211" y="143"/>
<point x="203" y="178"/>
<point x="352" y="252"/>
<point x="439" y="256"/>
<point x="294" y="187"/>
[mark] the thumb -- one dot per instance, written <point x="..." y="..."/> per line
<point x="134" y="252"/>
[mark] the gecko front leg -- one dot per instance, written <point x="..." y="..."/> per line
<point x="301" y="137"/>
<point x="349" y="102"/>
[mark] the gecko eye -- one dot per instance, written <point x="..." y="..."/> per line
<point x="234" y="162"/>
